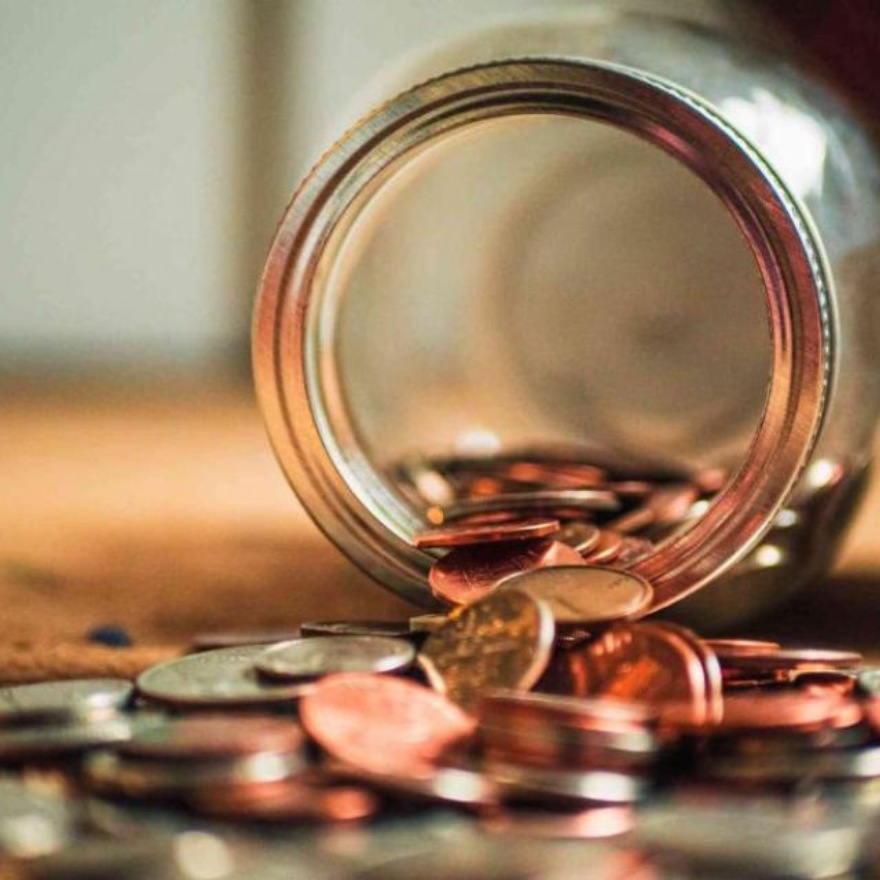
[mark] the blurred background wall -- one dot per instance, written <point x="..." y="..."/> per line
<point x="149" y="148"/>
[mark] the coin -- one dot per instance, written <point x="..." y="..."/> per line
<point x="469" y="573"/>
<point x="724" y="648"/>
<point x="463" y="534"/>
<point x="607" y="548"/>
<point x="286" y="801"/>
<point x="559" y="503"/>
<point x="113" y="773"/>
<point x="223" y="677"/>
<point x="382" y="724"/>
<point x="426" y="623"/>
<point x="659" y="664"/>
<point x="60" y="697"/>
<point x="583" y="536"/>
<point x="213" y="640"/>
<point x="521" y="782"/>
<point x="58" y="740"/>
<point x="868" y="681"/>
<point x="791" y="659"/>
<point x="460" y="786"/>
<point x="387" y="628"/>
<point x="786" y="712"/>
<point x="324" y="655"/>
<point x="585" y="594"/>
<point x="32" y="822"/>
<point x="502" y="641"/>
<point x="217" y="735"/>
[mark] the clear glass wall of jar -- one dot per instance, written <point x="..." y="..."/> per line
<point x="619" y="232"/>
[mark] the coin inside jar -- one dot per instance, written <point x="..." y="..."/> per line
<point x="585" y="594"/>
<point x="463" y="533"/>
<point x="325" y="655"/>
<point x="469" y="573"/>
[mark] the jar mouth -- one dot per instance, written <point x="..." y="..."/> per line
<point x="293" y="328"/>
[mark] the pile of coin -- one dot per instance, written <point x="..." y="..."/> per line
<point x="541" y="708"/>
<point x="510" y="711"/>
<point x="610" y="513"/>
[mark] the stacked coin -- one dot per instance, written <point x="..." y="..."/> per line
<point x="612" y="513"/>
<point x="181" y="757"/>
<point x="540" y="706"/>
<point x="59" y="719"/>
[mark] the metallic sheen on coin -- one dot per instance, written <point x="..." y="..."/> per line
<point x="585" y="594"/>
<point x="224" y="677"/>
<point x="465" y="533"/>
<point x="661" y="664"/>
<point x="71" y="696"/>
<point x="502" y="641"/>
<point x="325" y="655"/>
<point x="469" y="573"/>
<point x="382" y="724"/>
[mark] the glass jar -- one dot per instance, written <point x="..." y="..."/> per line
<point x="623" y="233"/>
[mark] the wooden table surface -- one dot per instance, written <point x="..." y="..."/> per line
<point x="162" y="510"/>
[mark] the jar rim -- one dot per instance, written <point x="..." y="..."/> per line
<point x="287" y="329"/>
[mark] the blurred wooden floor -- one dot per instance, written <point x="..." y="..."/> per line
<point x="164" y="512"/>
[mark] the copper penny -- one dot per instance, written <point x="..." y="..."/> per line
<point x="657" y="664"/>
<point x="785" y="712"/>
<point x="825" y="681"/>
<point x="502" y="641"/>
<point x="469" y="573"/>
<point x="603" y="713"/>
<point x="792" y="659"/>
<point x="738" y="647"/>
<point x="462" y="534"/>
<point x="382" y="724"/>
<point x="583" y="536"/>
<point x="607" y="548"/>
<point x="560" y="503"/>
<point x="585" y="594"/>
<point x="632" y="550"/>
<point x="555" y="476"/>
<point x="218" y="735"/>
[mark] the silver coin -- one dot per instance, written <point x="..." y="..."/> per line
<point x="591" y="786"/>
<point x="24" y="743"/>
<point x="32" y="822"/>
<point x="386" y="628"/>
<point x="868" y="681"/>
<point x="110" y="772"/>
<point x="446" y="785"/>
<point x="325" y="655"/>
<point x="585" y="594"/>
<point x="62" y="697"/>
<point x="224" y="677"/>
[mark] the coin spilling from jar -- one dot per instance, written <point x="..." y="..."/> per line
<point x="542" y="707"/>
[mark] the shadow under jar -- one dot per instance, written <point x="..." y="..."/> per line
<point x="618" y="239"/>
